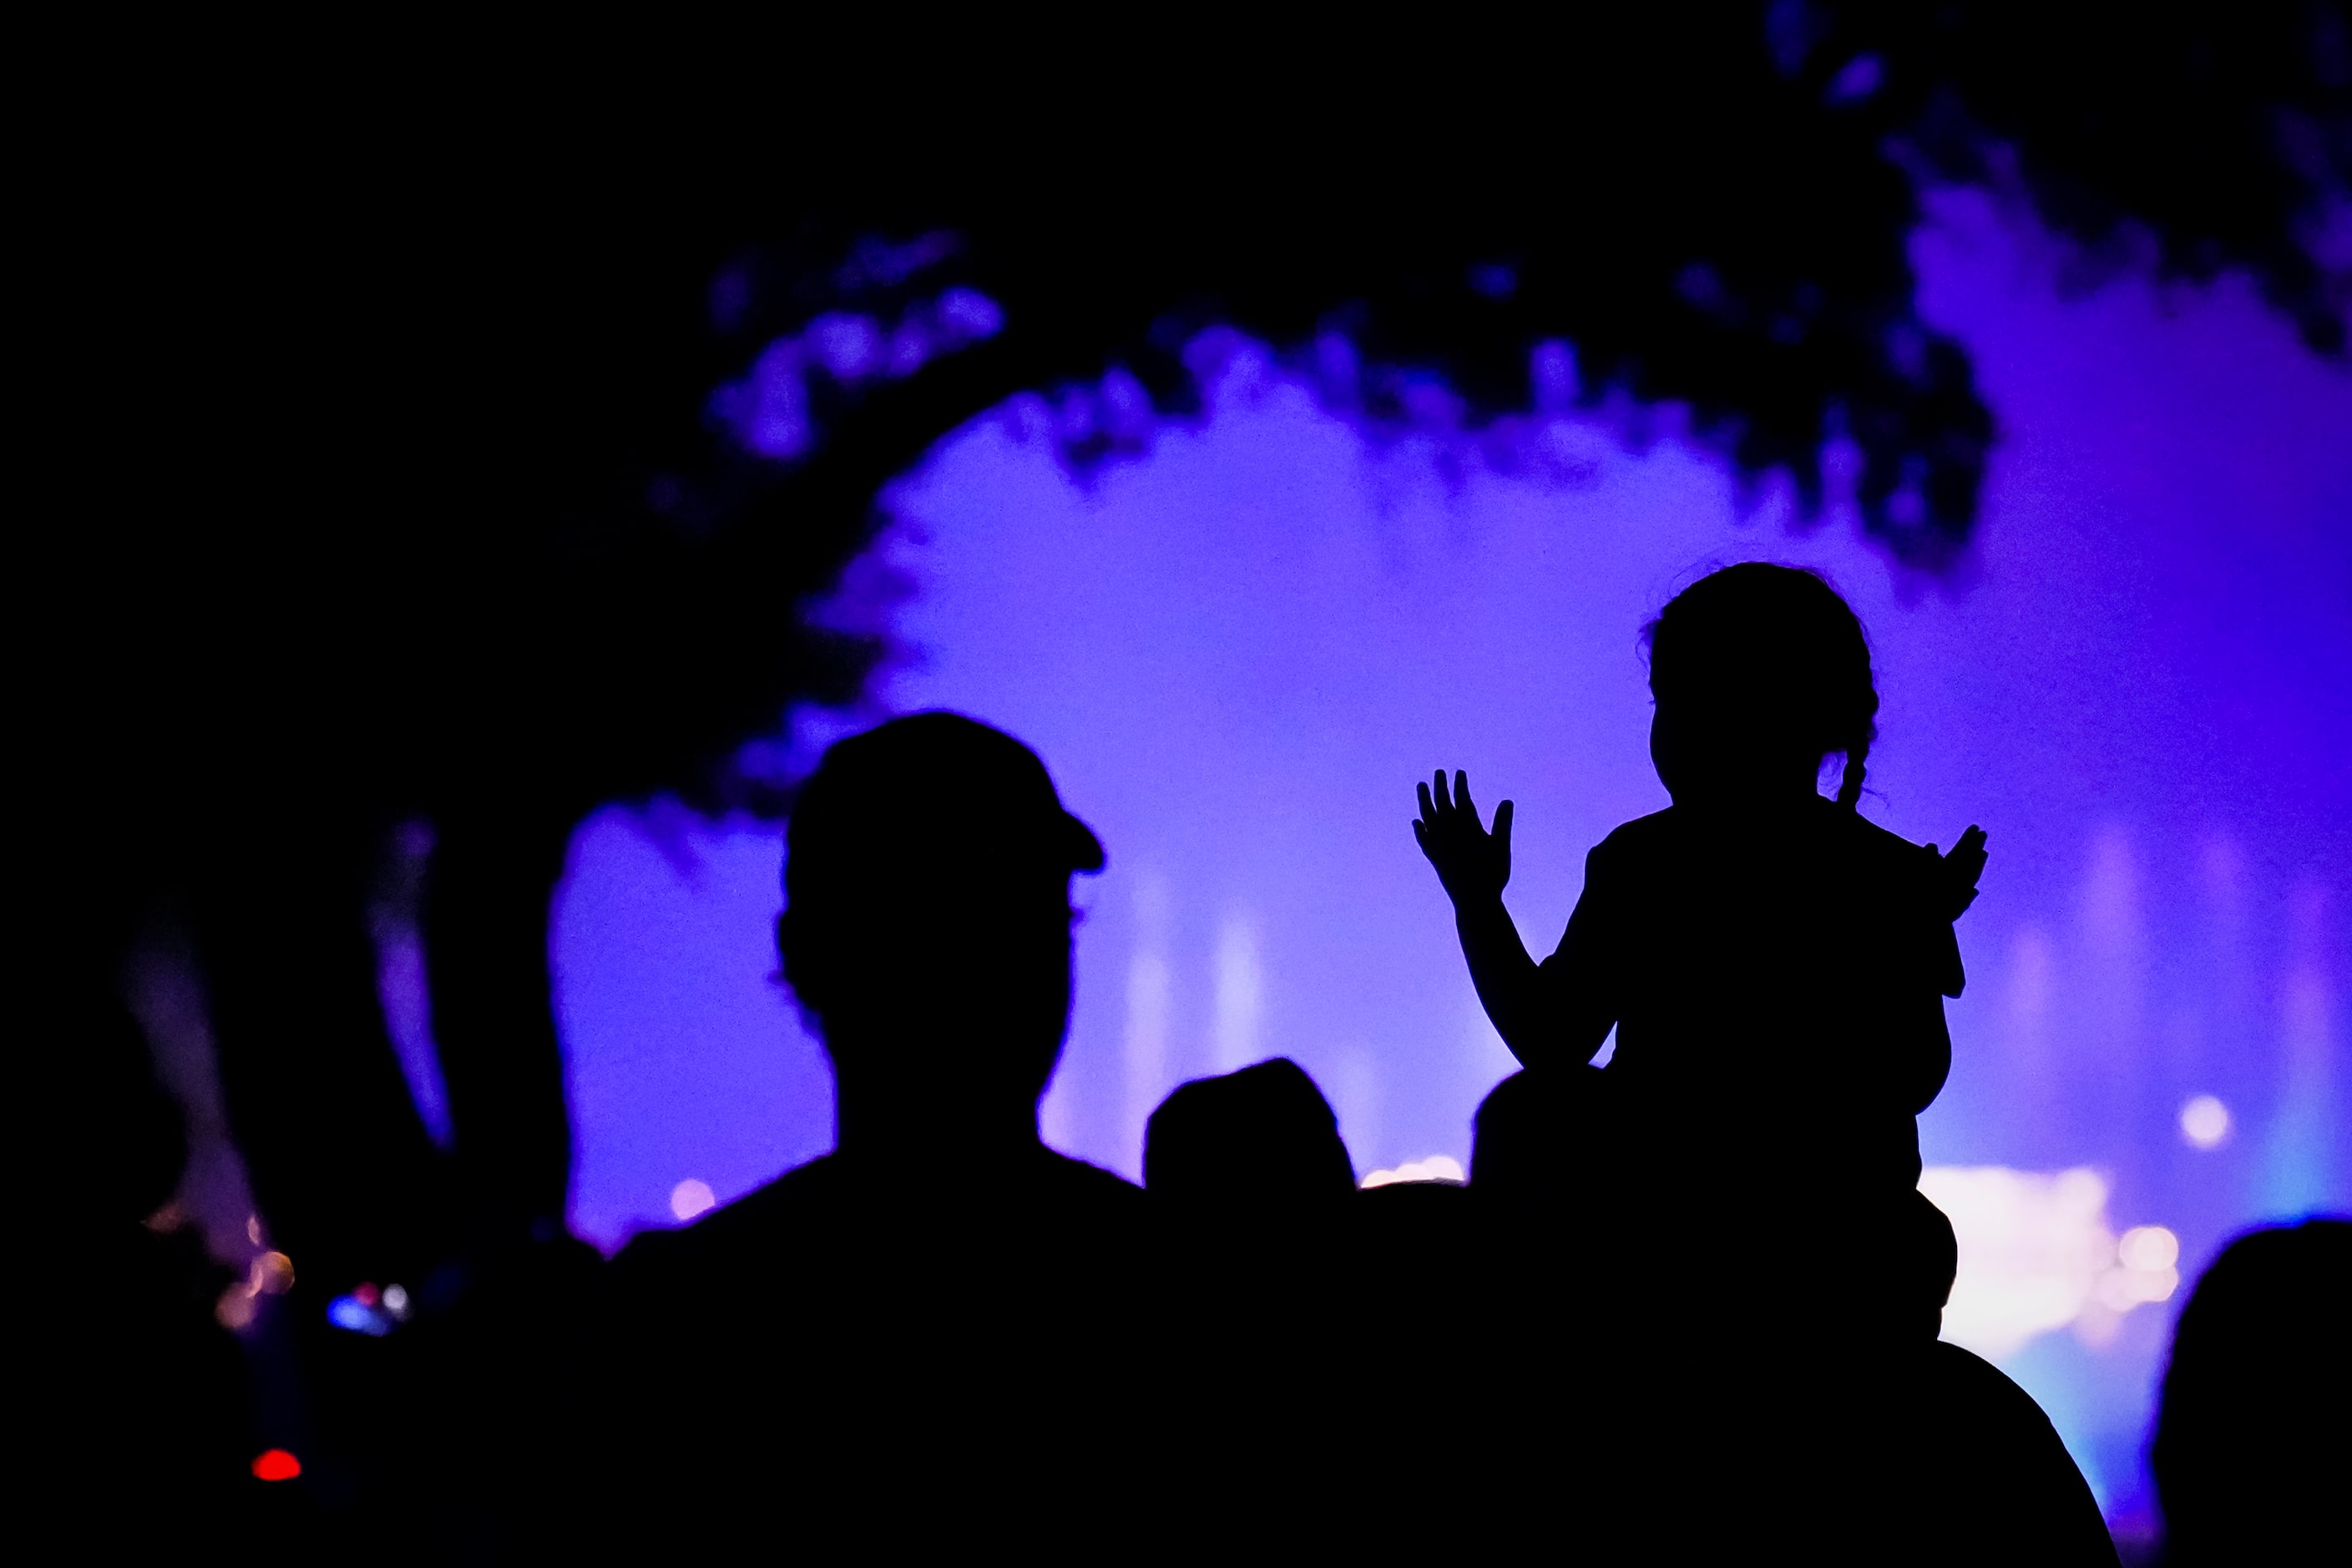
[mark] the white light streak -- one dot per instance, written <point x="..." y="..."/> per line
<point x="1436" y="1168"/>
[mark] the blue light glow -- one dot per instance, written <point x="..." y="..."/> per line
<point x="352" y="1313"/>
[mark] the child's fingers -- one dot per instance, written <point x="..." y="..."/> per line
<point x="1462" y="795"/>
<point x="1428" y="811"/>
<point x="1502" y="824"/>
<point x="1437" y="786"/>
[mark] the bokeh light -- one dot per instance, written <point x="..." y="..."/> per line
<point x="2032" y="1249"/>
<point x="2205" y="1122"/>
<point x="271" y="1274"/>
<point x="358" y="1315"/>
<point x="692" y="1198"/>
<point x="236" y="1307"/>
<point x="2147" y="1250"/>
<point x="276" y="1464"/>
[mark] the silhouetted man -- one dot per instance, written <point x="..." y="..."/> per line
<point x="912" y="1339"/>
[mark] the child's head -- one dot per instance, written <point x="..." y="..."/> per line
<point x="1760" y="673"/>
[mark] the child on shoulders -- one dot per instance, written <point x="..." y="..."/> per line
<point x="1774" y="965"/>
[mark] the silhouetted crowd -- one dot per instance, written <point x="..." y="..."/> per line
<point x="944" y="1336"/>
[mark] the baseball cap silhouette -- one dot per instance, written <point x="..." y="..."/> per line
<point x="932" y="802"/>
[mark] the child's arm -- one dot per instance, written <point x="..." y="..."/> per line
<point x="1474" y="866"/>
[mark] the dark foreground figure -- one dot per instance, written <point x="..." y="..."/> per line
<point x="1422" y="1368"/>
<point x="944" y="1337"/>
<point x="146" y="1449"/>
<point x="923" y="1339"/>
<point x="2254" y="1438"/>
<point x="1773" y="967"/>
<point x="1320" y="1392"/>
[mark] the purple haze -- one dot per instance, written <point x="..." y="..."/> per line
<point x="1238" y="653"/>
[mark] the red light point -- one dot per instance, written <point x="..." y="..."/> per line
<point x="277" y="1465"/>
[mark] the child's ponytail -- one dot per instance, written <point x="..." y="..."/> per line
<point x="1853" y="712"/>
<point x="1856" y="769"/>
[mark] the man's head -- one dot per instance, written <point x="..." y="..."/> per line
<point x="927" y="918"/>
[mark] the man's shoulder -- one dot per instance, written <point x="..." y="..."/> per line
<point x="799" y="1196"/>
<point x="1645" y="835"/>
<point x="812" y="1197"/>
<point x="1955" y="1366"/>
<point x="1080" y="1183"/>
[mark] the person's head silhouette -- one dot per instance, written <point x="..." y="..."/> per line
<point x="1760" y="672"/>
<point x="2249" y="1422"/>
<point x="1259" y="1141"/>
<point x="927" y="932"/>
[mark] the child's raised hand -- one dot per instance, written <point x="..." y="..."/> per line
<point x="1961" y="869"/>
<point x="1472" y="863"/>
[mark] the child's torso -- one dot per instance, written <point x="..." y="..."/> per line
<point x="1777" y="980"/>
